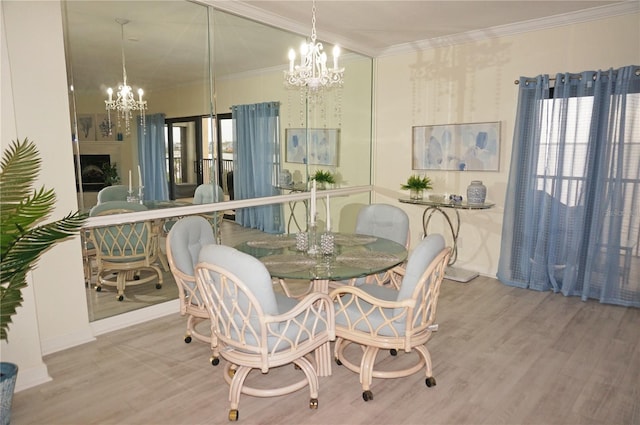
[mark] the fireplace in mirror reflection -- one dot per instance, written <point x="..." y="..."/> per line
<point x="92" y="171"/>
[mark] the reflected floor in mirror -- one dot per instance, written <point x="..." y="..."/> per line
<point x="104" y="304"/>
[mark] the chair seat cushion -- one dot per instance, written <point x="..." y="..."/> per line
<point x="376" y="321"/>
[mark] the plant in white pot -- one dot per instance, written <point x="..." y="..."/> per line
<point x="323" y="178"/>
<point x="23" y="240"/>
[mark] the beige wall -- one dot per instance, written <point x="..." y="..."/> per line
<point x="35" y="106"/>
<point x="474" y="82"/>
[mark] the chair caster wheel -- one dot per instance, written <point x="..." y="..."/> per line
<point x="187" y="339"/>
<point x="338" y="362"/>
<point x="313" y="403"/>
<point x="393" y="352"/>
<point x="234" y="415"/>
<point x="367" y="395"/>
<point x="215" y="361"/>
<point x="430" y="381"/>
<point x="120" y="297"/>
<point x="158" y="286"/>
<point x="98" y="288"/>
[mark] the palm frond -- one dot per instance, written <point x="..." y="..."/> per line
<point x="22" y="241"/>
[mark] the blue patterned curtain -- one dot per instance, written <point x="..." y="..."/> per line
<point x="571" y="220"/>
<point x="152" y="155"/>
<point x="256" y="157"/>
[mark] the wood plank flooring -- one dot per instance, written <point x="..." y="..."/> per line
<point x="502" y="355"/>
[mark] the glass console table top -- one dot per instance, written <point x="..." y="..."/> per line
<point x="355" y="256"/>
<point x="448" y="204"/>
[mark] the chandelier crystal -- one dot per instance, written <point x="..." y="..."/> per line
<point x="125" y="103"/>
<point x="312" y="73"/>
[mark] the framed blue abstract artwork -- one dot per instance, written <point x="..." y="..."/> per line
<point x="460" y="147"/>
<point x="322" y="146"/>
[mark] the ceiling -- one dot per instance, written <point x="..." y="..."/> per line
<point x="373" y="27"/>
<point x="161" y="52"/>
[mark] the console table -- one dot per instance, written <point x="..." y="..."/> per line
<point x="445" y="209"/>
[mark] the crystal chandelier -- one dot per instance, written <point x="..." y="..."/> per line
<point x="125" y="104"/>
<point x="312" y="73"/>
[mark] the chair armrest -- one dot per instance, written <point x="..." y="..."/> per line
<point x="359" y="293"/>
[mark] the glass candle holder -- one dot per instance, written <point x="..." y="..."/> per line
<point x="302" y="241"/>
<point x="313" y="241"/>
<point x="327" y="243"/>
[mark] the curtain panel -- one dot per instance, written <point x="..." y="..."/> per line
<point x="152" y="157"/>
<point x="572" y="217"/>
<point x="256" y="157"/>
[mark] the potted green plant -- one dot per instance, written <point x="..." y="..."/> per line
<point x="323" y="178"/>
<point x="111" y="176"/>
<point x="23" y="241"/>
<point x="416" y="185"/>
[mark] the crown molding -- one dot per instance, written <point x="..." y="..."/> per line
<point x="602" y="12"/>
<point x="244" y="10"/>
<point x="240" y="8"/>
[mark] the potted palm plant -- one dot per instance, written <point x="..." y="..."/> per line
<point x="323" y="178"/>
<point x="23" y="240"/>
<point x="416" y="185"/>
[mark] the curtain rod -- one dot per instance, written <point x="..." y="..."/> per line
<point x="273" y="101"/>
<point x="574" y="77"/>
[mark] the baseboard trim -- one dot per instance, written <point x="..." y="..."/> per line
<point x="142" y="315"/>
<point x="31" y="377"/>
<point x="53" y="345"/>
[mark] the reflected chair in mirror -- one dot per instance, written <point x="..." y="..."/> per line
<point x="113" y="193"/>
<point x="383" y="318"/>
<point x="88" y="256"/>
<point x="205" y="194"/>
<point x="257" y="328"/>
<point x="184" y="242"/>
<point x="124" y="250"/>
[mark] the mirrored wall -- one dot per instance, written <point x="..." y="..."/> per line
<point x="195" y="62"/>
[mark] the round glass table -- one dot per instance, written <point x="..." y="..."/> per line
<point x="354" y="256"/>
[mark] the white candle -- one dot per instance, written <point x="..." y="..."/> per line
<point x="328" y="215"/>
<point x="140" y="177"/>
<point x="336" y="53"/>
<point x="292" y="58"/>
<point x="140" y="93"/>
<point x="130" y="190"/>
<point x="313" y="203"/>
<point x="110" y="91"/>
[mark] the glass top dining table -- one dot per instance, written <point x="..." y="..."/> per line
<point x="354" y="256"/>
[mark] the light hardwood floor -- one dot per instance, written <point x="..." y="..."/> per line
<point x="502" y="355"/>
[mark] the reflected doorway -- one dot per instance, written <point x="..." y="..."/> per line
<point x="186" y="155"/>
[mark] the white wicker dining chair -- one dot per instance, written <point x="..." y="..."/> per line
<point x="185" y="240"/>
<point x="124" y="249"/>
<point x="257" y="328"/>
<point x="381" y="317"/>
